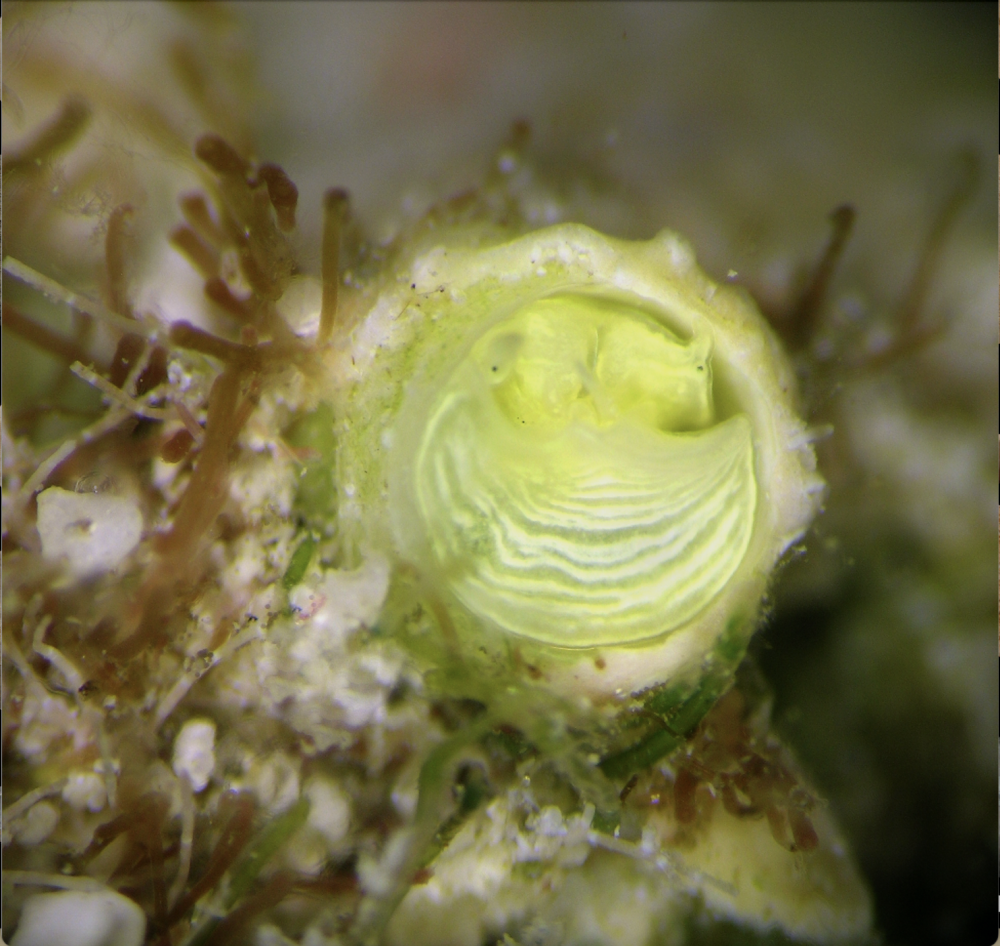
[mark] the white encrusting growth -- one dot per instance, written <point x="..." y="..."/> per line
<point x="194" y="752"/>
<point x="94" y="532"/>
<point x="80" y="918"/>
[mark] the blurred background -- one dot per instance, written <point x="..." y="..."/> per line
<point x="741" y="126"/>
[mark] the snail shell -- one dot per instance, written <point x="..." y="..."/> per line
<point x="587" y="450"/>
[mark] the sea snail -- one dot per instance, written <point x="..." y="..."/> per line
<point x="586" y="450"/>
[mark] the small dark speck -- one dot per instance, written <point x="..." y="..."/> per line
<point x="494" y="367"/>
<point x="701" y="367"/>
<point x="413" y="285"/>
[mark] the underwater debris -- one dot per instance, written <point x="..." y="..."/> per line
<point x="258" y="602"/>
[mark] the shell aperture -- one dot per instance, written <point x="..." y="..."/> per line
<point x="575" y="483"/>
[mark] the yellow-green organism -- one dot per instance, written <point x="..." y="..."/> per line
<point x="588" y="452"/>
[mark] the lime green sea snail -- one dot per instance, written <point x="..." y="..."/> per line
<point x="584" y="454"/>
